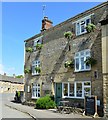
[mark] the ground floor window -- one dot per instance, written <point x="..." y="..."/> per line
<point x="76" y="89"/>
<point x="36" y="91"/>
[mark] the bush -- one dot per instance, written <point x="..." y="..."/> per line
<point x="45" y="103"/>
<point x="90" y="27"/>
<point x="68" y="35"/>
<point x="29" y="49"/>
<point x="26" y="70"/>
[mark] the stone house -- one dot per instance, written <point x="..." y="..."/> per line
<point x="10" y="84"/>
<point x="46" y="55"/>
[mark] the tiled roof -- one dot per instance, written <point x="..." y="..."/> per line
<point x="11" y="79"/>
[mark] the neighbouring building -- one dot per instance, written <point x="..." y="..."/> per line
<point x="10" y="84"/>
<point x="57" y="65"/>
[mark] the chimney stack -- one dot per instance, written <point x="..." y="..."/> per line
<point x="5" y="74"/>
<point x="14" y="75"/>
<point x="46" y="24"/>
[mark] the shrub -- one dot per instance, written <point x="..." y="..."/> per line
<point x="38" y="46"/>
<point x="26" y="70"/>
<point x="45" y="103"/>
<point x="69" y="64"/>
<point x="38" y="69"/>
<point x="90" y="61"/>
<point x="90" y="27"/>
<point x="68" y="35"/>
<point x="29" y="49"/>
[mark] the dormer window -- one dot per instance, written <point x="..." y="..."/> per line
<point x="37" y="41"/>
<point x="81" y="25"/>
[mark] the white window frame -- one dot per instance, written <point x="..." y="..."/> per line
<point x="35" y="63"/>
<point x="79" y="56"/>
<point x="75" y="89"/>
<point x="80" y="22"/>
<point x="37" y="41"/>
<point x="36" y="88"/>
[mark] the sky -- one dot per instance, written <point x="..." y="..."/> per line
<point x="22" y="20"/>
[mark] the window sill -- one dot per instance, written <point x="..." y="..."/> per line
<point x="73" y="97"/>
<point x="35" y="97"/>
<point x="82" y="70"/>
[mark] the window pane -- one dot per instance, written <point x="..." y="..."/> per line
<point x="87" y="65"/>
<point x="87" y="21"/>
<point x="82" y="63"/>
<point x="82" y="28"/>
<point x="79" y="90"/>
<point x="87" y="91"/>
<point x="77" y="63"/>
<point x="33" y="69"/>
<point x="78" y="28"/>
<point x="65" y="89"/>
<point x="87" y="83"/>
<point x="71" y="92"/>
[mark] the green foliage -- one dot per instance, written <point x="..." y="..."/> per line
<point x="26" y="70"/>
<point x="29" y="49"/>
<point x="38" y="69"/>
<point x="18" y="93"/>
<point x="68" y="35"/>
<point x="90" y="27"/>
<point x="90" y="61"/>
<point x="39" y="46"/>
<point x="20" y="76"/>
<point x="69" y="64"/>
<point x="45" y="103"/>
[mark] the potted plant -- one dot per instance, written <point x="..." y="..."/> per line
<point x="90" y="61"/>
<point x="29" y="49"/>
<point x="38" y="46"/>
<point x="26" y="70"/>
<point x="90" y="27"/>
<point x="68" y="34"/>
<point x="38" y="69"/>
<point x="69" y="64"/>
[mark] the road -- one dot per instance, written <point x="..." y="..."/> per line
<point x="7" y="112"/>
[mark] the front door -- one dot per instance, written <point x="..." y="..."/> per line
<point x="58" y="92"/>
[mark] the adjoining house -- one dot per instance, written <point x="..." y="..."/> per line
<point x="10" y="84"/>
<point x="70" y="68"/>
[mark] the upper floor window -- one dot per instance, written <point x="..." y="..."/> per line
<point x="37" y="41"/>
<point x="35" y="64"/>
<point x="81" y="25"/>
<point x="80" y="58"/>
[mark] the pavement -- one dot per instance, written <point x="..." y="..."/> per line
<point x="37" y="113"/>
